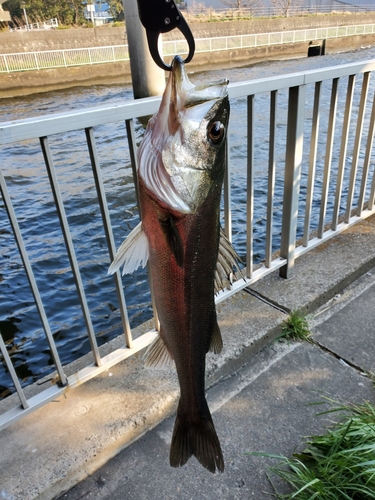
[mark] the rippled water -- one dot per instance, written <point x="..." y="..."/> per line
<point x="29" y="188"/>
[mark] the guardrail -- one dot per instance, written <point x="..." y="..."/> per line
<point x="285" y="9"/>
<point x="48" y="59"/>
<point x="45" y="25"/>
<point x="296" y="125"/>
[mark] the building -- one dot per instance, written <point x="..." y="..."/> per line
<point x="4" y="14"/>
<point x="98" y="13"/>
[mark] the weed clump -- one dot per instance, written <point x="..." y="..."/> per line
<point x="337" y="465"/>
<point x="295" y="327"/>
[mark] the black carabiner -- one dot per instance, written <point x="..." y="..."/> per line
<point x="162" y="16"/>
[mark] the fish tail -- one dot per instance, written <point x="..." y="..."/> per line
<point x="196" y="437"/>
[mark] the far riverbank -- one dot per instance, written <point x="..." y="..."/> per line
<point x="29" y="82"/>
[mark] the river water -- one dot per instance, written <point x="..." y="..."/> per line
<point x="30" y="192"/>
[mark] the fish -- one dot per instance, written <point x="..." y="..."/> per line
<point x="181" y="166"/>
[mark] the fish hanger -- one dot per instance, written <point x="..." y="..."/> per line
<point x="162" y="16"/>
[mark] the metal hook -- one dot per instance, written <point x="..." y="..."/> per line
<point x="163" y="17"/>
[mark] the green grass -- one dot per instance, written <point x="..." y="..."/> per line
<point x="337" y="465"/>
<point x="295" y="327"/>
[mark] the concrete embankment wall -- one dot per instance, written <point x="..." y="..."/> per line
<point x="27" y="82"/>
<point x="24" y="41"/>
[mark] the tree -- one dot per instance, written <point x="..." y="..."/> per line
<point x="116" y="9"/>
<point x="14" y="8"/>
<point x="243" y="4"/>
<point x="78" y="9"/>
<point x="284" y="6"/>
<point x="66" y="11"/>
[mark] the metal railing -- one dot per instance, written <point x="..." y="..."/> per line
<point x="300" y="128"/>
<point x="26" y="61"/>
<point x="285" y="9"/>
<point x="266" y="39"/>
<point x="45" y="25"/>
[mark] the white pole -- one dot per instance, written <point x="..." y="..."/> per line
<point x="27" y="21"/>
<point x="148" y="79"/>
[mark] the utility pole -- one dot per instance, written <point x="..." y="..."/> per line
<point x="23" y="7"/>
<point x="147" y="78"/>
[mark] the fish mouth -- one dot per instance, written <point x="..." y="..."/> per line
<point x="181" y="97"/>
<point x="186" y="95"/>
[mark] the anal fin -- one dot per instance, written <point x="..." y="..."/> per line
<point x="157" y="355"/>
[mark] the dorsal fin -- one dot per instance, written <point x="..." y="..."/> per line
<point x="132" y="253"/>
<point x="173" y="238"/>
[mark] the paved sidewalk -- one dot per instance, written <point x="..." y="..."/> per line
<point x="264" y="406"/>
<point x="111" y="436"/>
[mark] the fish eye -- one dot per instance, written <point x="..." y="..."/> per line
<point x="215" y="132"/>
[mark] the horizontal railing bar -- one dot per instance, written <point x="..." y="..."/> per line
<point x="75" y="380"/>
<point x="45" y="125"/>
<point x="330" y="233"/>
<point x="59" y="51"/>
<point x="244" y="282"/>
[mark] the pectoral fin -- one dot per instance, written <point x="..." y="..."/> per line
<point x="132" y="253"/>
<point x="173" y="238"/>
<point x="227" y="259"/>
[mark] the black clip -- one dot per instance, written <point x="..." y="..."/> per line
<point x="161" y="16"/>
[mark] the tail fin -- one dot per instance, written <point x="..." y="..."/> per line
<point x="199" y="438"/>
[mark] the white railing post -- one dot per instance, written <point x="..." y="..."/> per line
<point x="293" y="159"/>
<point x="328" y="155"/>
<point x="312" y="162"/>
<point x="271" y="176"/>
<point x="6" y="63"/>
<point x="36" y="61"/>
<point x="357" y="144"/>
<point x="250" y="186"/>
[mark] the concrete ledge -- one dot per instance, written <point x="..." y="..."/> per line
<point x="52" y="449"/>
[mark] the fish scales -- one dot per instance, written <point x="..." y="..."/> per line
<point x="180" y="176"/>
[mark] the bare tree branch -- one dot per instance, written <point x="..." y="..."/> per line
<point x="242" y="4"/>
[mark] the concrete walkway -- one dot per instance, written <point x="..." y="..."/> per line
<point x="260" y="393"/>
